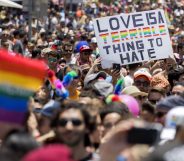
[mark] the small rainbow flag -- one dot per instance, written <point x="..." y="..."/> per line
<point x="19" y="78"/>
<point x="162" y="30"/>
<point x="147" y="32"/>
<point x="140" y="32"/>
<point x="133" y="33"/>
<point x="115" y="37"/>
<point x="124" y="34"/>
<point x="104" y="37"/>
<point x="154" y="31"/>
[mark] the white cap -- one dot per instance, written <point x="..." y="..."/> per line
<point x="174" y="118"/>
<point x="93" y="40"/>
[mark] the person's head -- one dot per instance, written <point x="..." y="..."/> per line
<point x="16" y="34"/>
<point x="165" y="105"/>
<point x="93" y="43"/>
<point x="136" y="93"/>
<point x="36" y="53"/>
<point x="156" y="94"/>
<point x="67" y="51"/>
<point x="42" y="94"/>
<point x="177" y="89"/>
<point x="148" y="112"/>
<point x="142" y="79"/>
<point x="53" y="60"/>
<point x="176" y="75"/>
<point x="85" y="52"/>
<point x="71" y="124"/>
<point x="19" y="143"/>
<point x="5" y="35"/>
<point x="170" y="63"/>
<point x="112" y="114"/>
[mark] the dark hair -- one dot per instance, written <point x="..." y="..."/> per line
<point x="19" y="142"/>
<point x="147" y="106"/>
<point x="175" y="74"/>
<point x="68" y="104"/>
<point x="115" y="107"/>
<point x="36" y="52"/>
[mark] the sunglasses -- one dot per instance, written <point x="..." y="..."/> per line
<point x="86" y="52"/>
<point x="52" y="59"/>
<point x="68" y="51"/>
<point x="75" y="122"/>
<point x="144" y="83"/>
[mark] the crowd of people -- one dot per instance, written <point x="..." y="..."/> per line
<point x="134" y="113"/>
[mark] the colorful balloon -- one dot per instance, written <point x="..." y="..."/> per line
<point x="131" y="103"/>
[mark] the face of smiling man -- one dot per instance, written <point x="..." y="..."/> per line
<point x="71" y="127"/>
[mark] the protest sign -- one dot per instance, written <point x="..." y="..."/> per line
<point x="132" y="38"/>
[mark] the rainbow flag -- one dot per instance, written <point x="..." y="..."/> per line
<point x="104" y="37"/>
<point x="115" y="37"/>
<point x="147" y="32"/>
<point x="19" y="78"/>
<point x="162" y="30"/>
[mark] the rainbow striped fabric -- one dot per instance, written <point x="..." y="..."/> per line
<point x="19" y="78"/>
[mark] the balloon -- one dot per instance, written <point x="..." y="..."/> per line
<point x="131" y="103"/>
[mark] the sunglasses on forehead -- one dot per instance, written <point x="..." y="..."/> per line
<point x="75" y="122"/>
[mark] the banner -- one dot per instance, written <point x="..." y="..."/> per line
<point x="132" y="38"/>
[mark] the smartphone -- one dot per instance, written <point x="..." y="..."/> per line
<point x="149" y="136"/>
<point x="116" y="66"/>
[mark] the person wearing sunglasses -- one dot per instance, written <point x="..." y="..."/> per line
<point x="142" y="79"/>
<point x="52" y="60"/>
<point x="67" y="53"/>
<point x="71" y="126"/>
<point x="85" y="56"/>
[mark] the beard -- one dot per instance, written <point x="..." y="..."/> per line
<point x="71" y="139"/>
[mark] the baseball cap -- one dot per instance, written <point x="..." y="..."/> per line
<point x="133" y="91"/>
<point x="85" y="48"/>
<point x="79" y="45"/>
<point x="93" y="40"/>
<point x="94" y="76"/>
<point x="103" y="88"/>
<point x="174" y="118"/>
<point x="142" y="72"/>
<point x="53" y="152"/>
